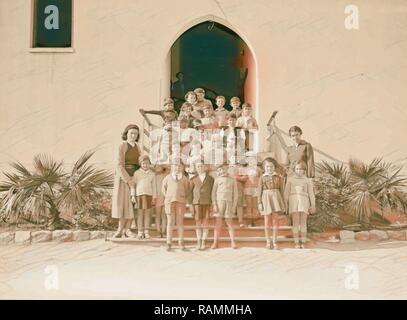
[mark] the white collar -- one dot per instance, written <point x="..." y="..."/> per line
<point x="145" y="171"/>
<point x="272" y="174"/>
<point x="176" y="176"/>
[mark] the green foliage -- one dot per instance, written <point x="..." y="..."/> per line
<point x="42" y="193"/>
<point x="360" y="190"/>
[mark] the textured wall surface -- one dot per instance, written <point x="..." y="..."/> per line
<point x="346" y="89"/>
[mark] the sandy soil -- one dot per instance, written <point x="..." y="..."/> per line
<point x="103" y="270"/>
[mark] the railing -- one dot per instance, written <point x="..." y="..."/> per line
<point x="271" y="124"/>
<point x="148" y="126"/>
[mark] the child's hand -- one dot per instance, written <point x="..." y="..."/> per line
<point x="260" y="207"/>
<point x="215" y="208"/>
<point x="133" y="199"/>
<point x="153" y="202"/>
<point x="312" y="210"/>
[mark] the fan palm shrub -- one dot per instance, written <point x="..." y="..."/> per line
<point x="45" y="191"/>
<point x="363" y="191"/>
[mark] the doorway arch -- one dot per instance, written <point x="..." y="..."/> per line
<point x="245" y="60"/>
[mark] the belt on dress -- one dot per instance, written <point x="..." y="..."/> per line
<point x="299" y="194"/>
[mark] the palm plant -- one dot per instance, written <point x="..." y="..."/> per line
<point x="332" y="186"/>
<point x="47" y="190"/>
<point x="362" y="190"/>
<point x="376" y="186"/>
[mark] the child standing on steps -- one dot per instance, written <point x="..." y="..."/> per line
<point x="201" y="187"/>
<point x="270" y="200"/>
<point x="300" y="199"/>
<point x="251" y="184"/>
<point x="236" y="171"/>
<point x="175" y="188"/>
<point x="235" y="104"/>
<point x="224" y="199"/>
<point x="160" y="216"/>
<point x="143" y="195"/>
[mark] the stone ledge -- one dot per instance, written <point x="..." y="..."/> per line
<point x="22" y="237"/>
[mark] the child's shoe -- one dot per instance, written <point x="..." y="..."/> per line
<point x="130" y="234"/>
<point x="140" y="236"/>
<point x="168" y="247"/>
<point x="214" y="245"/>
<point x="297" y="246"/>
<point x="181" y="245"/>
<point x="118" y="234"/>
<point x="203" y="246"/>
<point x="146" y="235"/>
<point x="268" y="245"/>
<point x="198" y="245"/>
<point x="275" y="246"/>
<point x="234" y="245"/>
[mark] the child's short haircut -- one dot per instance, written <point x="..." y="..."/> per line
<point x="168" y="101"/>
<point x="231" y="116"/>
<point x="186" y="105"/>
<point x="234" y="99"/>
<point x="196" y="123"/>
<point x="144" y="157"/>
<point x="199" y="90"/>
<point x="294" y="129"/>
<point x="189" y="93"/>
<point x="270" y="160"/>
<point x="246" y="105"/>
<point x="223" y="165"/>
<point x="207" y="106"/>
<point x="183" y="119"/>
<point x="221" y="97"/>
<point x="301" y="164"/>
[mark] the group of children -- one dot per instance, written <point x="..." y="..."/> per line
<point x="231" y="185"/>
<point x="199" y="130"/>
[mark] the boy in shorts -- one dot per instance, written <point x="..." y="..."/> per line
<point x="224" y="199"/>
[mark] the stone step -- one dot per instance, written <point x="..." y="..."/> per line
<point x="261" y="240"/>
<point x="189" y="231"/>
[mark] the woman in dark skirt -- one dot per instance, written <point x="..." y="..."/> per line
<point x="127" y="163"/>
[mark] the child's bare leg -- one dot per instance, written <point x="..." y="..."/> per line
<point x="231" y="230"/>
<point x="216" y="233"/>
<point x="248" y="209"/>
<point x="140" y="224"/>
<point x="198" y="232"/>
<point x="240" y="215"/>
<point x="163" y="221"/>
<point x="205" y="232"/>
<point x="170" y="226"/>
<point x="267" y="230"/>
<point x="147" y="214"/>
<point x="274" y="223"/>
<point x="158" y="212"/>
<point x="296" y="225"/>
<point x="180" y="228"/>
<point x="303" y="227"/>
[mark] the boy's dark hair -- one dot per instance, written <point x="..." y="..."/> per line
<point x="294" y="129"/>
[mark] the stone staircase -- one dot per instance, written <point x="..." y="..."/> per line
<point x="248" y="236"/>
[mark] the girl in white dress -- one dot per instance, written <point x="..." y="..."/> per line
<point x="300" y="198"/>
<point x="270" y="200"/>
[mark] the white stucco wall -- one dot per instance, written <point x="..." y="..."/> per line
<point x="346" y="89"/>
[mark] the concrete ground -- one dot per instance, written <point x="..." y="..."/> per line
<point x="103" y="270"/>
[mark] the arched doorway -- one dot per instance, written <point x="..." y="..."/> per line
<point x="212" y="56"/>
